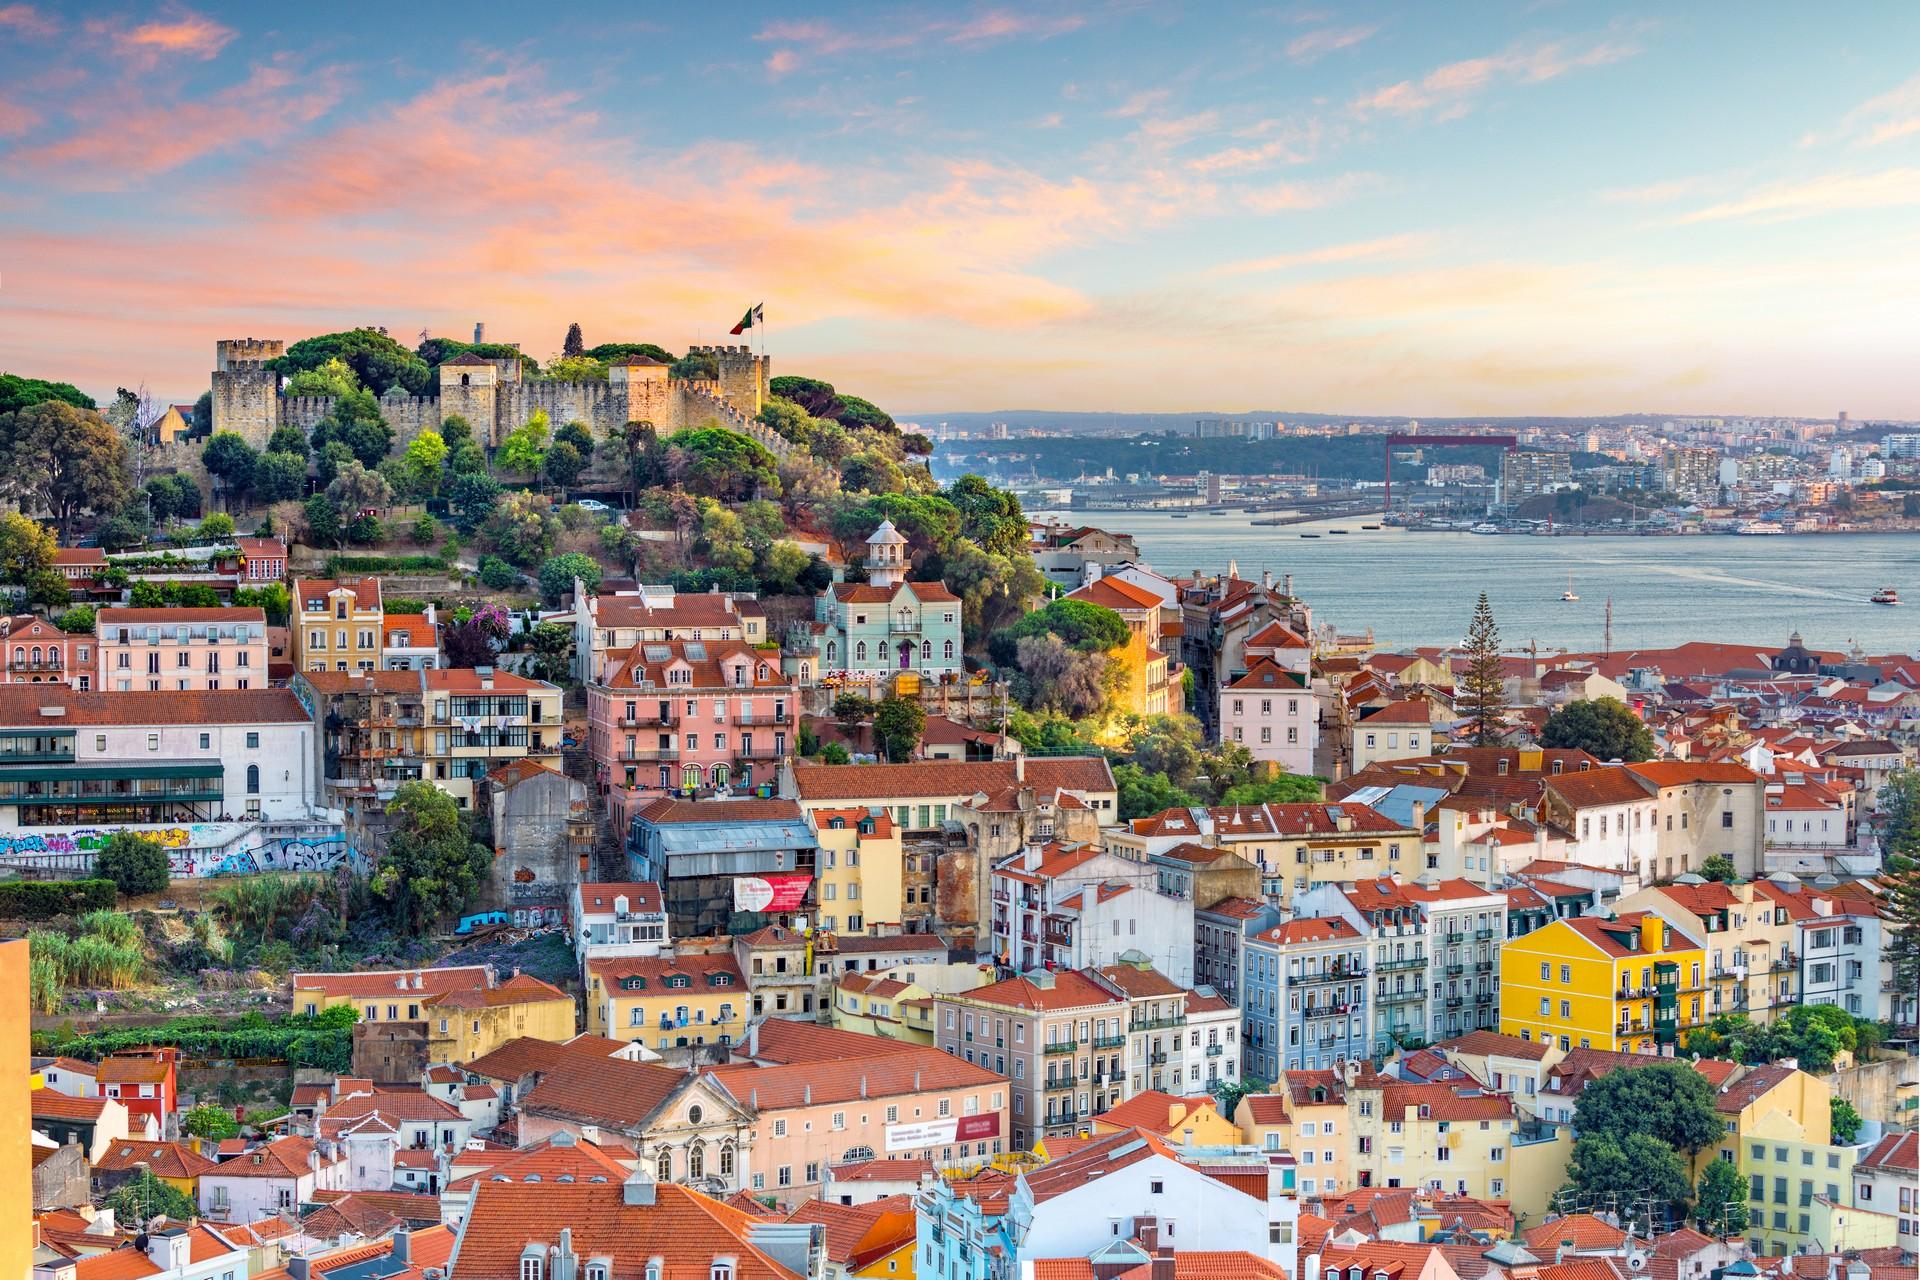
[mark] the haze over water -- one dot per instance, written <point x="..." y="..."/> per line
<point x="1419" y="588"/>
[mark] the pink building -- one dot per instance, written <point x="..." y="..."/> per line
<point x="37" y="652"/>
<point x="262" y="560"/>
<point x="688" y="714"/>
<point x="176" y="649"/>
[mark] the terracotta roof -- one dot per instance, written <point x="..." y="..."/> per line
<point x="1681" y="773"/>
<point x="1276" y="635"/>
<point x="1405" y="711"/>
<point x="1582" y="1269"/>
<point x="858" y="1234"/>
<point x="59" y="1106"/>
<point x="887" y="1068"/>
<point x="1583" y="1230"/>
<point x="394" y="1107"/>
<point x="1756" y="1084"/>
<point x="522" y="988"/>
<point x="1268" y="1108"/>
<point x="1156" y="1112"/>
<point x="1094" y="1160"/>
<point x="165" y="1159"/>
<point x="888" y="1169"/>
<point x="366" y="593"/>
<point x="1311" y="929"/>
<point x="80" y="555"/>
<point x="362" y="682"/>
<point x="1491" y="1043"/>
<point x="699" y="967"/>
<point x="611" y="1091"/>
<point x="1265" y="674"/>
<point x="682" y="1228"/>
<point x="1607" y="936"/>
<point x="1069" y="990"/>
<point x="1116" y="593"/>
<point x="369" y="1213"/>
<point x="1294" y="820"/>
<point x="643" y="669"/>
<point x="548" y="1160"/>
<point x="133" y="1068"/>
<point x="428" y="1248"/>
<point x="643" y="896"/>
<point x="1168" y="822"/>
<point x="1897" y="1152"/>
<point x="1444" y="1101"/>
<point x="170" y="617"/>
<point x="1301" y="1085"/>
<point x="287" y="1157"/>
<point x="21" y="704"/>
<point x="816" y="782"/>
<point x="1593" y="788"/>
<point x="867" y="593"/>
<point x="667" y="811"/>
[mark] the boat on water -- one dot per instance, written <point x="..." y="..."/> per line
<point x="1886" y="595"/>
<point x="1180" y="515"/>
<point x="1342" y="532"/>
<point x="1567" y="596"/>
<point x="1485" y="527"/>
<point x="1758" y="528"/>
<point x="1309" y="535"/>
<point x="1370" y="526"/>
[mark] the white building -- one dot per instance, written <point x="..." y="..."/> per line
<point x="141" y="758"/>
<point x="618" y="919"/>
<point x="277" y="1175"/>
<point x="1081" y="908"/>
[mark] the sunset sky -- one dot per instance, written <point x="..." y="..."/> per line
<point x="1419" y="208"/>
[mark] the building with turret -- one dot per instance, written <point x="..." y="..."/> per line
<point x="495" y="397"/>
<point x="870" y="631"/>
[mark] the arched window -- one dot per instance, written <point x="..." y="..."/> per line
<point x="926" y="649"/>
<point x="860" y="651"/>
<point x="697" y="1161"/>
<point x="466" y="380"/>
<point x="856" y="1153"/>
<point x="36" y="653"/>
<point x="720" y="773"/>
<point x="726" y="1160"/>
<point x="690" y="776"/>
<point x="949" y="651"/>
<point x="19" y="653"/>
<point x="833" y="653"/>
<point x="663" y="1165"/>
<point x="253" y="779"/>
<point x="806" y="671"/>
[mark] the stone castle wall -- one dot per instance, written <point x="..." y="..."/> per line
<point x="247" y="400"/>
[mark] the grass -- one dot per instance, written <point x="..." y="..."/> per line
<point x="57" y="962"/>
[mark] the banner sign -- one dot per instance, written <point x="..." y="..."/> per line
<point x="922" y="1135"/>
<point x="770" y="893"/>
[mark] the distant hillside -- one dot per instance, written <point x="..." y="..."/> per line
<point x="1182" y="422"/>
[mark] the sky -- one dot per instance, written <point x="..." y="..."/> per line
<point x="1444" y="210"/>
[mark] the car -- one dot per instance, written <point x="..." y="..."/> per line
<point x="592" y="504"/>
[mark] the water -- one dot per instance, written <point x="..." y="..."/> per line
<point x="1419" y="588"/>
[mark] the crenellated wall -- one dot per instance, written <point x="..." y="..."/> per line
<point x="303" y="412"/>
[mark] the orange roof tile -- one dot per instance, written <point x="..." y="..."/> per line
<point x="816" y="782"/>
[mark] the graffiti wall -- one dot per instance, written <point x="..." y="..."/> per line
<point x="201" y="849"/>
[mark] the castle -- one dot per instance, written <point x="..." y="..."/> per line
<point x="495" y="399"/>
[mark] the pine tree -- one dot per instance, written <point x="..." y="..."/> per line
<point x="1903" y="918"/>
<point x="1482" y="688"/>
<point x="575" y="344"/>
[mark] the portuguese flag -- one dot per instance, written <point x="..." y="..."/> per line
<point x="756" y="314"/>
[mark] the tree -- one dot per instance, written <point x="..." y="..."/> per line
<point x="614" y="350"/>
<point x="23" y="393"/>
<point x="202" y="420"/>
<point x="717" y="463"/>
<point x="523" y="529"/>
<point x="575" y="345"/>
<point x="1903" y="930"/>
<point x="1054" y="676"/>
<point x="431" y="866"/>
<point x="835" y="753"/>
<point x="471" y="498"/>
<point x="558" y="572"/>
<point x="1603" y="727"/>
<point x="376" y="360"/>
<point x="1720" y="1206"/>
<point x="333" y="378"/>
<point x="851" y="710"/>
<point x="991" y="517"/>
<point x="356" y="422"/>
<point x="215" y="528"/>
<point x="897" y="726"/>
<point x="1483" y="685"/>
<point x="552" y="644"/>
<point x="474" y="637"/>
<point x="497" y="574"/>
<point x="1288" y="788"/>
<point x="425" y="456"/>
<point x="575" y="369"/>
<point x="1846" y="1122"/>
<point x="144" y="1197"/>
<point x="173" y="497"/>
<point x="78" y="620"/>
<point x="1079" y="624"/>
<point x="229" y="459"/>
<point x="65" y="459"/>
<point x="279" y="477"/>
<point x="273" y="599"/>
<point x="1227" y="1094"/>
<point x="209" y="1120"/>
<point x="355" y="489"/>
<point x="324" y="526"/>
<point x="136" y="864"/>
<point x="1899" y="805"/>
<point x="525" y="448"/>
<point x="1669" y="1101"/>
<point x="27" y="548"/>
<point x="329" y="458"/>
<point x="1144" y="794"/>
<point x="577" y="435"/>
<point x="1719" y="868"/>
<point x="563" y="464"/>
<point x="288" y="439"/>
<point x="1609" y="1168"/>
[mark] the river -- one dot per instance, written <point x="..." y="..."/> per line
<point x="1419" y="588"/>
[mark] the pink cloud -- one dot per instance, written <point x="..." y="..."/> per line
<point x="16" y="118"/>
<point x="25" y="20"/>
<point x="1814" y="197"/>
<point x="781" y="61"/>
<point x="1446" y="91"/>
<point x="820" y="38"/>
<point x="181" y="33"/>
<point x="1287" y="197"/>
<point x="1317" y="44"/>
<point x="124" y="139"/>
<point x="1399" y="246"/>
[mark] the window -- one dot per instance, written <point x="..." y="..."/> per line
<point x="531" y="1268"/>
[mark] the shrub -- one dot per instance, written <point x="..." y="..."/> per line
<point x="497" y="574"/>
<point x="136" y="864"/>
<point x="45" y="899"/>
<point x="339" y="564"/>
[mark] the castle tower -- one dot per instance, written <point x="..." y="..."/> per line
<point x="640" y="383"/>
<point x="246" y="394"/>
<point x="743" y="377"/>
<point x="886" y="556"/>
<point x="470" y="386"/>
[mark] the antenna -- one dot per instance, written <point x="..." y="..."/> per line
<point x="1606" y="644"/>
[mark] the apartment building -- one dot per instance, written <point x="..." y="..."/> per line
<point x="1628" y="981"/>
<point x="337" y="625"/>
<point x="1449" y="1136"/>
<point x="181" y="649"/>
<point x="1178" y="1040"/>
<point x="668" y="1002"/>
<point x="618" y="919"/>
<point x="1300" y="846"/>
<point x="861" y="871"/>
<point x="34" y="651"/>
<point x="1080" y="907"/>
<point x="1143" y="665"/>
<point x="1704" y="808"/>
<point x="606" y="626"/>
<point x="85" y="759"/>
<point x="688" y="715"/>
<point x="1747" y="937"/>
<point x="1306" y="996"/>
<point x="1273" y="713"/>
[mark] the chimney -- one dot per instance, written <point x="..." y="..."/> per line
<point x="1266" y="579"/>
<point x="1147" y="1231"/>
<point x="479" y="331"/>
<point x="402" y="1246"/>
<point x="1286" y="585"/>
<point x="1651" y="928"/>
<point x="1020" y="768"/>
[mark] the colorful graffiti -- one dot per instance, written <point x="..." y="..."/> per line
<point x="206" y="849"/>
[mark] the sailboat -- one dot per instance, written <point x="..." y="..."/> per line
<point x="1567" y="596"/>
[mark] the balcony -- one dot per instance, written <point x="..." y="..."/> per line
<point x="763" y="717"/>
<point x="656" y="718"/>
<point x="30" y="665"/>
<point x="1157" y="1024"/>
<point x="903" y="627"/>
<point x="1384" y="996"/>
<point x="1785" y="963"/>
<point x="1391" y="966"/>
<point x="1336" y="974"/>
<point x="1001" y="895"/>
<point x="1455" y="970"/>
<point x="1215" y="1050"/>
<point x="1485" y="935"/>
<point x="1060" y="1046"/>
<point x="1157" y="1058"/>
<point x="762" y="751"/>
<point x="1108" y="1042"/>
<point x="1483" y="966"/>
<point x="649" y="753"/>
<point x="1455" y="1002"/>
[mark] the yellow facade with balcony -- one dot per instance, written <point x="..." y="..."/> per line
<point x="1633" y="983"/>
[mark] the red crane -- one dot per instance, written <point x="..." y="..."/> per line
<point x="1423" y="441"/>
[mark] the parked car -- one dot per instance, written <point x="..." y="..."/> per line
<point x="592" y="504"/>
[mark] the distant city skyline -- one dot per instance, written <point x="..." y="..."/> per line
<point x="1368" y="209"/>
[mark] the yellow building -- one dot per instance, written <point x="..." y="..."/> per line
<point x="1444" y="1136"/>
<point x="1186" y="1122"/>
<point x="388" y="995"/>
<point x="174" y="1163"/>
<point x="860" y="869"/>
<point x="16" y="1119"/>
<point x="466" y="1024"/>
<point x="337" y="626"/>
<point x="1632" y="983"/>
<point x="1779" y="1134"/>
<point x="1745" y="930"/>
<point x="874" y="1004"/>
<point x="1144" y="687"/>
<point x="1304" y="1113"/>
<point x="668" y="1002"/>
